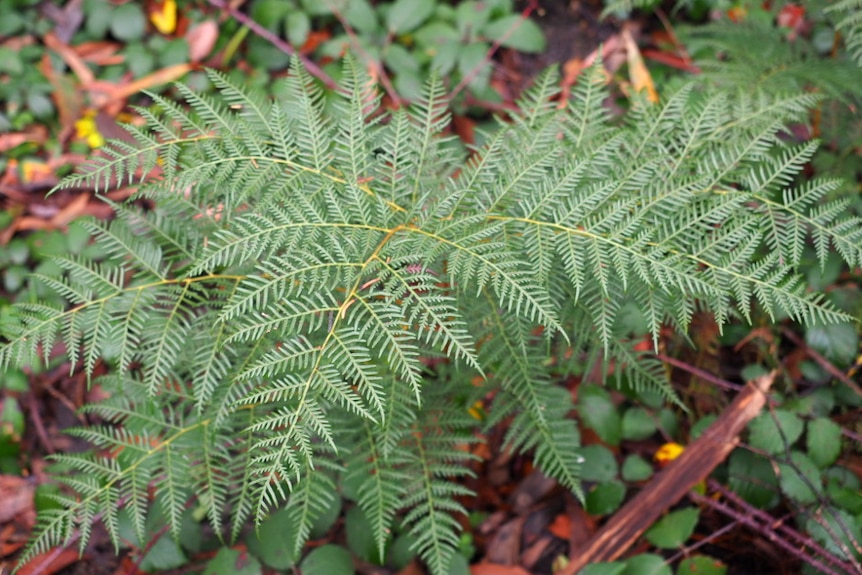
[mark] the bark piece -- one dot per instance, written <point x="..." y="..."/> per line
<point x="674" y="482"/>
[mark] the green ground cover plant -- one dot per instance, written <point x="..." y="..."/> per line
<point x="308" y="301"/>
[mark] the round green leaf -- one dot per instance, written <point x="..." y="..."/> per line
<point x="360" y="536"/>
<point x="99" y="14"/>
<point x="517" y="33"/>
<point x="14" y="380"/>
<point x="10" y="62"/>
<point x="598" y="412"/>
<point x="637" y="424"/>
<point x="327" y="560"/>
<point x="297" y="25"/>
<point x="275" y="540"/>
<point x="18" y="251"/>
<point x="753" y="478"/>
<point x="636" y="468"/>
<point x="458" y="565"/>
<point x="701" y="565"/>
<point x="647" y="564"/>
<point x="405" y="15"/>
<point x="435" y="34"/>
<point x="612" y="568"/>
<point x="165" y="554"/>
<point x="470" y="17"/>
<point x="774" y="431"/>
<point x="823" y="441"/>
<point x="401" y="552"/>
<point x="175" y="52"/>
<point x="802" y="486"/>
<point x="270" y="13"/>
<point x="11" y="420"/>
<point x="605" y="498"/>
<point x="832" y="524"/>
<point x="361" y="17"/>
<point x="401" y="61"/>
<point x="128" y="22"/>
<point x="673" y="529"/>
<point x="599" y="464"/>
<point x="234" y="562"/>
<point x="838" y="342"/>
<point x="700" y="426"/>
<point x="39" y="104"/>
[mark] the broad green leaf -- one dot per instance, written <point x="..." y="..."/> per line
<point x="405" y="15"/>
<point x="832" y="526"/>
<point x="647" y="564"/>
<point x="471" y="17"/>
<point x="401" y="552"/>
<point x="701" y="425"/>
<point x="297" y="25"/>
<point x="234" y="562"/>
<point x="327" y="560"/>
<point x="701" y="565"/>
<point x="803" y="485"/>
<point x="837" y="342"/>
<point x="14" y="380"/>
<point x="11" y="419"/>
<point x="10" y="62"/>
<point x="599" y="464"/>
<point x="605" y="498"/>
<point x="434" y="35"/>
<point x="471" y="62"/>
<point x="753" y="478"/>
<point x="361" y="17"/>
<point x="459" y="565"/>
<point x="270" y="13"/>
<point x="128" y="22"/>
<point x="398" y="59"/>
<point x="599" y="413"/>
<point x="517" y="33"/>
<point x="326" y="519"/>
<point x="360" y="536"/>
<point x="823" y="441"/>
<point x="322" y="7"/>
<point x="636" y="468"/>
<point x="637" y="424"/>
<point x="674" y="529"/>
<point x="274" y="541"/>
<point x="164" y="554"/>
<point x="612" y="568"/>
<point x="775" y="431"/>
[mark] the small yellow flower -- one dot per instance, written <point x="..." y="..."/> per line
<point x="668" y="452"/>
<point x="164" y="17"/>
<point x="87" y="130"/>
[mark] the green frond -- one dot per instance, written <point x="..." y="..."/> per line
<point x="849" y="15"/>
<point x="269" y="322"/>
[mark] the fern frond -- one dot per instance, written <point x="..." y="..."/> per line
<point x="269" y="322"/>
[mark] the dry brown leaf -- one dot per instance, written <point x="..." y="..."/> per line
<point x="49" y="563"/>
<point x="71" y="58"/>
<point x="638" y="72"/>
<point x="201" y="40"/>
<point x="37" y="134"/>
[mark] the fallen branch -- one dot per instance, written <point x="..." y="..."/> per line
<point x="669" y="486"/>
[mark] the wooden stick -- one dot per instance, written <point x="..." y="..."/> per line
<point x="669" y="486"/>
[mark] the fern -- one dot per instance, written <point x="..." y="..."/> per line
<point x="267" y="320"/>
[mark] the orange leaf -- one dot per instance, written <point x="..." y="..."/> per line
<point x="163" y="15"/>
<point x="640" y="76"/>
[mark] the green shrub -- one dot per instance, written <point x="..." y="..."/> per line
<point x="310" y="298"/>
